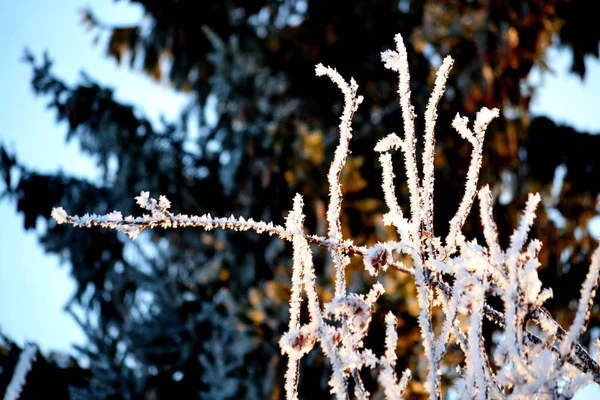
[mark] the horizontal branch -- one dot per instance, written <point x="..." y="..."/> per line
<point x="133" y="226"/>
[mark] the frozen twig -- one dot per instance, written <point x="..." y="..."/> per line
<point x="398" y="61"/>
<point x="351" y="103"/>
<point x="484" y="117"/>
<point x="26" y="360"/>
<point x="133" y="226"/>
<point x="429" y="151"/>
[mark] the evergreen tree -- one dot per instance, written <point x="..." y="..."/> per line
<point x="200" y="314"/>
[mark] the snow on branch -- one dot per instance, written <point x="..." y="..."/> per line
<point x="161" y="217"/>
<point x="26" y="360"/>
<point x="351" y="103"/>
<point x="454" y="276"/>
<point x="484" y="117"/>
<point x="398" y="61"/>
<point x="428" y="154"/>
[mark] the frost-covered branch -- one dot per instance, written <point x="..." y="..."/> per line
<point x="484" y="117"/>
<point x="398" y="61"/>
<point x="454" y="276"/>
<point x="429" y="153"/>
<point x="26" y="360"/>
<point x="161" y="217"/>
<point x="351" y="103"/>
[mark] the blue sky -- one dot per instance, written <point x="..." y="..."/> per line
<point x="33" y="287"/>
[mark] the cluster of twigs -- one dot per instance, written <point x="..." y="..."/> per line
<point x="451" y="273"/>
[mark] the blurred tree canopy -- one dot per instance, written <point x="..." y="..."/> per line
<point x="199" y="314"/>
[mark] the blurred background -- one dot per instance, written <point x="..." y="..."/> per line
<point x="217" y="106"/>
